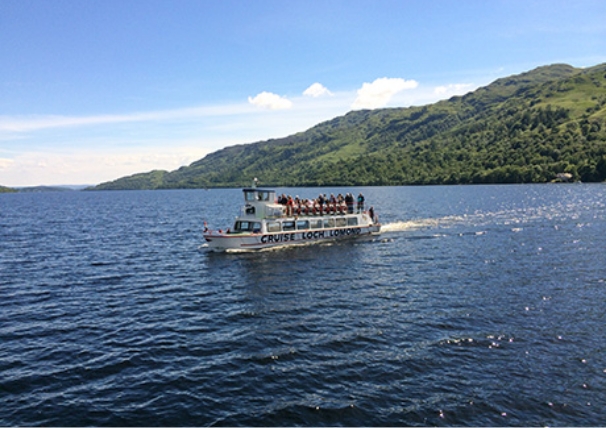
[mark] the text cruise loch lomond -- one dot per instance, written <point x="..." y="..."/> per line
<point x="267" y="222"/>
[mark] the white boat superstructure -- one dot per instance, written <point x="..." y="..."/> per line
<point x="265" y="223"/>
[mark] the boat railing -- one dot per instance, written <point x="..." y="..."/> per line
<point x="276" y="211"/>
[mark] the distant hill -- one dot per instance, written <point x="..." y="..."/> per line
<point x="37" y="189"/>
<point x="519" y="129"/>
<point x="4" y="189"/>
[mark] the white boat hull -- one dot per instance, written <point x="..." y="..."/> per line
<point x="219" y="241"/>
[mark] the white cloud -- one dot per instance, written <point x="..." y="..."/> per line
<point x="378" y="93"/>
<point x="270" y="101"/>
<point x="453" y="89"/>
<point x="92" y="166"/>
<point x="316" y="90"/>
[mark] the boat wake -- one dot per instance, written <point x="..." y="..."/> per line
<point x="420" y="224"/>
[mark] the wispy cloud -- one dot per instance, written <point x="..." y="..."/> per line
<point x="92" y="166"/>
<point x="18" y="124"/>
<point x="6" y="163"/>
<point x="378" y="93"/>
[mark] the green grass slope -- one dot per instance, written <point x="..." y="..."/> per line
<point x="523" y="128"/>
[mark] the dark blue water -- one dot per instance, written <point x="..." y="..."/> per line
<point x="477" y="306"/>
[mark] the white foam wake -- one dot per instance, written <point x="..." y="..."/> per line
<point x="425" y="223"/>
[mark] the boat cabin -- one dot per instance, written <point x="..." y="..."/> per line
<point x="261" y="203"/>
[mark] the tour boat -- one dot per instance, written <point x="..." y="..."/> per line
<point x="265" y="223"/>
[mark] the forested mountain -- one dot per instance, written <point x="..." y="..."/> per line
<point x="523" y="128"/>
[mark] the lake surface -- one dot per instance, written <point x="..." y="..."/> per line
<point x="478" y="305"/>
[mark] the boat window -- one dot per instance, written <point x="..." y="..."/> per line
<point x="315" y="224"/>
<point x="247" y="226"/>
<point x="264" y="196"/>
<point x="273" y="211"/>
<point x="341" y="222"/>
<point x="288" y="225"/>
<point x="329" y="222"/>
<point x="302" y="224"/>
<point x="240" y="226"/>
<point x="250" y="196"/>
<point x="273" y="226"/>
<point x="352" y="221"/>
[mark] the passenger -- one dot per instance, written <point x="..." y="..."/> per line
<point x="334" y="202"/>
<point x="360" y="203"/>
<point x="349" y="201"/>
<point x="371" y="213"/>
<point x="290" y="203"/>
<point x="308" y="206"/>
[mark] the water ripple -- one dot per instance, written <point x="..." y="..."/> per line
<point x="477" y="306"/>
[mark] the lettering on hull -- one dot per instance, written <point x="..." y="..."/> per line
<point x="311" y="235"/>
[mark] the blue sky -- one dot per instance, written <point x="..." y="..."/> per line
<point x="92" y="91"/>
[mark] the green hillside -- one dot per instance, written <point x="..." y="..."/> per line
<point x="523" y="128"/>
<point x="4" y="189"/>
